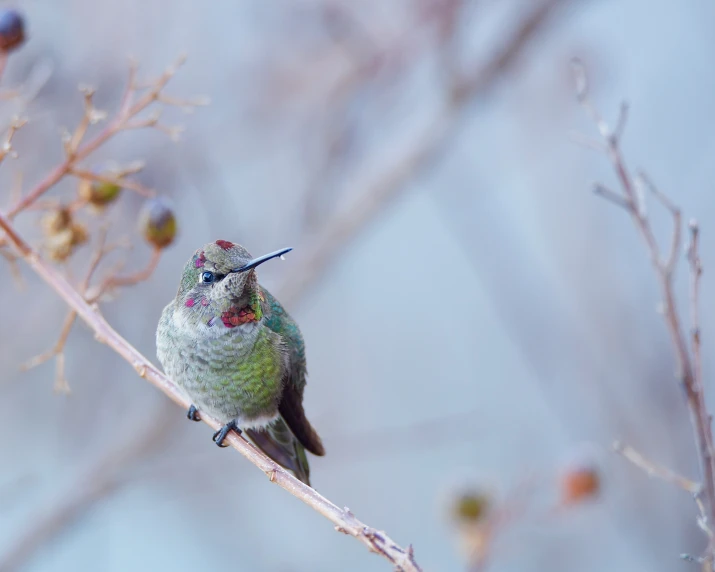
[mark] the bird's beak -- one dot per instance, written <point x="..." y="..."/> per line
<point x="261" y="259"/>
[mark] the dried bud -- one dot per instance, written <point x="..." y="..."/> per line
<point x="579" y="483"/>
<point x="59" y="245"/>
<point x="158" y="223"/>
<point x="62" y="243"/>
<point x="471" y="507"/>
<point x="79" y="234"/>
<point x="56" y="221"/>
<point x="98" y="193"/>
<point x="12" y="30"/>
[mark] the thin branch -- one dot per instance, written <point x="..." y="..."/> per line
<point x="612" y="196"/>
<point x="11" y="259"/>
<point x="57" y="351"/>
<point x="653" y="470"/>
<point x="689" y="375"/>
<point x="672" y="260"/>
<point x="343" y="519"/>
<point x="128" y="110"/>
<point x="128" y="279"/>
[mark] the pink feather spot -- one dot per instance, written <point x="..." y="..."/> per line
<point x="200" y="260"/>
<point x="190" y="303"/>
<point x="204" y="301"/>
<point x="224" y="244"/>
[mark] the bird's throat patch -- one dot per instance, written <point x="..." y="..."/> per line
<point x="237" y="316"/>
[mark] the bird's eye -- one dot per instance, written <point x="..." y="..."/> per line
<point x="207" y="277"/>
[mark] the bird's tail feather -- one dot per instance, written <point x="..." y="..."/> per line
<point x="278" y="442"/>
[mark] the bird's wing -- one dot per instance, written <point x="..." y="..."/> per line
<point x="291" y="404"/>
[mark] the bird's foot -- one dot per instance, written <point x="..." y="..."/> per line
<point x="193" y="414"/>
<point x="220" y="435"/>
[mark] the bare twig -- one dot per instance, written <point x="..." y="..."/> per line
<point x="57" y="351"/>
<point x="688" y="368"/>
<point x="344" y="520"/>
<point x="696" y="271"/>
<point x="654" y="470"/>
<point x="61" y="385"/>
<point x="671" y="261"/>
<point x="11" y="259"/>
<point x="127" y="280"/>
<point x="131" y="106"/>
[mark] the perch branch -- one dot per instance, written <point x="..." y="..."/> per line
<point x="390" y="184"/>
<point x="344" y="520"/>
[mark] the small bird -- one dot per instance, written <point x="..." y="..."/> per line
<point x="238" y="355"/>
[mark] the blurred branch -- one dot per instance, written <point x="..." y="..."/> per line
<point x="654" y="470"/>
<point x="97" y="483"/>
<point x="689" y="368"/>
<point x="368" y="200"/>
<point x="344" y="520"/>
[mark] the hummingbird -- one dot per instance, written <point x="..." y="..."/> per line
<point x="238" y="355"/>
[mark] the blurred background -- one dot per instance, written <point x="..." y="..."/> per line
<point x="475" y="318"/>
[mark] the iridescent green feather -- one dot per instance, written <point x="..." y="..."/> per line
<point x="278" y="320"/>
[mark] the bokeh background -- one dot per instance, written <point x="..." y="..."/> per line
<point x="473" y="315"/>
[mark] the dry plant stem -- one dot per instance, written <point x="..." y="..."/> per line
<point x="129" y="279"/>
<point x="696" y="271"/>
<point x="367" y="202"/>
<point x="344" y="521"/>
<point x="61" y="384"/>
<point x="689" y="376"/>
<point x="654" y="470"/>
<point x="76" y="152"/>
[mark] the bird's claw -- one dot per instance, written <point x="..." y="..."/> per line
<point x="220" y="435"/>
<point x="193" y="414"/>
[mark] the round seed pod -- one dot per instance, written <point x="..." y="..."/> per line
<point x="471" y="507"/>
<point x="157" y="222"/>
<point x="579" y="483"/>
<point x="12" y="30"/>
<point x="98" y="193"/>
